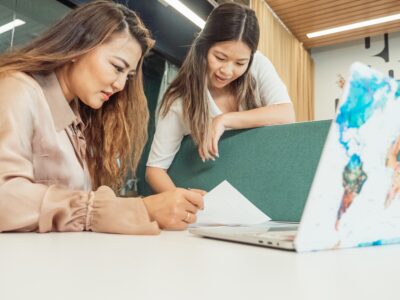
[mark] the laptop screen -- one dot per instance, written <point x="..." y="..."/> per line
<point x="355" y="195"/>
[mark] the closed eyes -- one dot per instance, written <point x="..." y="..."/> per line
<point x="118" y="68"/>
<point x="121" y="70"/>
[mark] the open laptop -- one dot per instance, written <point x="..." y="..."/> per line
<point x="354" y="200"/>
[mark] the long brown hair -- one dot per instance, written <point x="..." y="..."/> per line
<point x="117" y="132"/>
<point x="227" y="22"/>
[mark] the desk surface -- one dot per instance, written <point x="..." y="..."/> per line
<point x="178" y="265"/>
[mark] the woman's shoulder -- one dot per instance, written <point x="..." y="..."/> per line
<point x="176" y="106"/>
<point x="18" y="82"/>
<point x="16" y="88"/>
<point x="261" y="64"/>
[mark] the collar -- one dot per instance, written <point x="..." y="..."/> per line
<point x="60" y="109"/>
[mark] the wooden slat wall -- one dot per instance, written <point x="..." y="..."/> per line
<point x="306" y="16"/>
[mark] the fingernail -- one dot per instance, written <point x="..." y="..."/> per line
<point x="212" y="158"/>
<point x="217" y="154"/>
<point x="203" y="160"/>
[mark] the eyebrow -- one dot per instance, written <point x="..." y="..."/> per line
<point x="223" y="54"/>
<point x="124" y="62"/>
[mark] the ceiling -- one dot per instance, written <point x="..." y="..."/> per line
<point x="305" y="16"/>
<point x="300" y="16"/>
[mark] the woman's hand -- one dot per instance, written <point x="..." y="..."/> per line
<point x="174" y="209"/>
<point x="210" y="149"/>
<point x="201" y="192"/>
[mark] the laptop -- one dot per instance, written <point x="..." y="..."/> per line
<point x="354" y="200"/>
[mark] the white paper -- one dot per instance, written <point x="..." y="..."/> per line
<point x="224" y="205"/>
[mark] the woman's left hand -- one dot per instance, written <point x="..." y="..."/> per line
<point x="210" y="149"/>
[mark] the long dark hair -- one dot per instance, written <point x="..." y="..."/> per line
<point x="117" y="131"/>
<point x="227" y="22"/>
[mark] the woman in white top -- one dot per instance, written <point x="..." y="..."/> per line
<point x="223" y="83"/>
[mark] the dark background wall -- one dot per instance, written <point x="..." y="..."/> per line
<point x="172" y="31"/>
<point x="173" y="34"/>
<point x="153" y="70"/>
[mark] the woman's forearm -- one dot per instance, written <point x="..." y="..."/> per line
<point x="268" y="115"/>
<point x="159" y="180"/>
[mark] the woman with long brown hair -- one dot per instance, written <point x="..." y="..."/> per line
<point x="223" y="83"/>
<point x="74" y="121"/>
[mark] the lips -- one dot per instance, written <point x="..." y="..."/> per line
<point x="106" y="95"/>
<point x="221" y="79"/>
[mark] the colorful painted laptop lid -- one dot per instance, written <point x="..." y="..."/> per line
<point x="354" y="200"/>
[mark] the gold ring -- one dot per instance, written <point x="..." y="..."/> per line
<point x="187" y="218"/>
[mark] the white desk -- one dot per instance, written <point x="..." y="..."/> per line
<point x="177" y="265"/>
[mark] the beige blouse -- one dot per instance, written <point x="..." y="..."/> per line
<point x="44" y="180"/>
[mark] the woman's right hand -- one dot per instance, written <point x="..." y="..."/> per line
<point x="174" y="209"/>
<point x="209" y="149"/>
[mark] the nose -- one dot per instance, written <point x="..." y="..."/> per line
<point x="227" y="70"/>
<point x="119" y="83"/>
